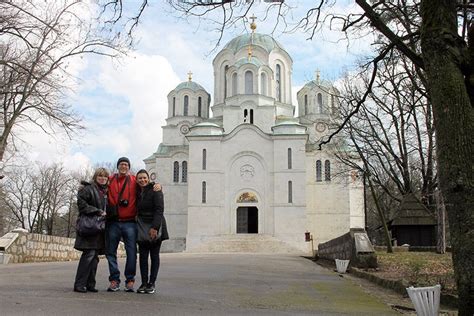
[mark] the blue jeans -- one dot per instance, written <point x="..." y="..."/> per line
<point x="128" y="232"/>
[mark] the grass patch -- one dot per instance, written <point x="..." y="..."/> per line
<point x="418" y="269"/>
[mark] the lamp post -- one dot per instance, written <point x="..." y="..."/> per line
<point x="307" y="238"/>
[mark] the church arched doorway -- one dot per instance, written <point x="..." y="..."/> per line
<point x="247" y="220"/>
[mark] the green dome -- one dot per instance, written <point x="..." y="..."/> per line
<point x="245" y="60"/>
<point x="322" y="83"/>
<point x="189" y="85"/>
<point x="264" y="41"/>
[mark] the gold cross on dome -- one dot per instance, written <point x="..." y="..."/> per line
<point x="190" y="75"/>
<point x="253" y="26"/>
<point x="253" y="18"/>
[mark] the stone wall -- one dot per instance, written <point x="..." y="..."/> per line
<point x="19" y="246"/>
<point x="354" y="246"/>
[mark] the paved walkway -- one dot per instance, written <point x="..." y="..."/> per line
<point x="192" y="284"/>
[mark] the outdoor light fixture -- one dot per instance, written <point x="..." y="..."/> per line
<point x="308" y="237"/>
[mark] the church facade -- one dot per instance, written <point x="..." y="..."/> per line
<point x="251" y="177"/>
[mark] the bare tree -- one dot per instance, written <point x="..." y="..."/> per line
<point x="35" y="198"/>
<point x="393" y="130"/>
<point x="38" y="41"/>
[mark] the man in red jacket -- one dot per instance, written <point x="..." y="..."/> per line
<point x="121" y="212"/>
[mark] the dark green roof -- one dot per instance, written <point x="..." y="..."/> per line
<point x="189" y="85"/>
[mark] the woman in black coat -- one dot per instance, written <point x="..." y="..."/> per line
<point x="91" y="201"/>
<point x="151" y="230"/>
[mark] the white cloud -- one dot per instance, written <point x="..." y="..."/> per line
<point x="143" y="82"/>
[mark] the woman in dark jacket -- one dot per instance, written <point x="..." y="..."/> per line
<point x="152" y="224"/>
<point x="91" y="200"/>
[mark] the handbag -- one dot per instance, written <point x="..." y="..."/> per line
<point x="143" y="229"/>
<point x="90" y="225"/>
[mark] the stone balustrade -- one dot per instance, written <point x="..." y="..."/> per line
<point x="19" y="246"/>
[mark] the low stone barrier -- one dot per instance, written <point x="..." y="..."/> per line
<point x="19" y="246"/>
<point x="354" y="246"/>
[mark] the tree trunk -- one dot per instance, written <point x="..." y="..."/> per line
<point x="453" y="121"/>
<point x="388" y="240"/>
<point x="441" y="219"/>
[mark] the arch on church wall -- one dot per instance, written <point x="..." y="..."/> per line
<point x="281" y="80"/>
<point x="306" y="104"/>
<point x="235" y="84"/>
<point x="263" y="83"/>
<point x="248" y="82"/>
<point x="248" y="110"/>
<point x="247" y="213"/>
<point x="247" y="197"/>
<point x="199" y="106"/>
<point x="242" y="77"/>
<point x="320" y="102"/>
<point x="185" y="105"/>
<point x="221" y="80"/>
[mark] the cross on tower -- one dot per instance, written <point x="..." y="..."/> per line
<point x="317" y="76"/>
<point x="253" y="17"/>
<point x="190" y="75"/>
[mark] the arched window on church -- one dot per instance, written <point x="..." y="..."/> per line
<point x="278" y="83"/>
<point x="204" y="162"/>
<point x="320" y="103"/>
<point x="305" y="104"/>
<point x="225" y="80"/>
<point x="199" y="106"/>
<point x="186" y="105"/>
<point x="176" y="171"/>
<point x="246" y="113"/>
<point x="318" y="171"/>
<point x="248" y="82"/>
<point x="184" y="172"/>
<point x="174" y="106"/>
<point x="290" y="192"/>
<point x="234" y="84"/>
<point x="290" y="162"/>
<point x="251" y="116"/>
<point x="327" y="170"/>
<point x="263" y="83"/>
<point x="203" y="192"/>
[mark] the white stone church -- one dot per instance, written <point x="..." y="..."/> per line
<point x="250" y="176"/>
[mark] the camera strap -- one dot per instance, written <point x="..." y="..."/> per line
<point x="123" y="187"/>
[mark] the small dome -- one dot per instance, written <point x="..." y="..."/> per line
<point x="206" y="124"/>
<point x="245" y="60"/>
<point x="288" y="127"/>
<point x="189" y="85"/>
<point x="287" y="123"/>
<point x="264" y="41"/>
<point x="322" y="83"/>
<point x="205" y="128"/>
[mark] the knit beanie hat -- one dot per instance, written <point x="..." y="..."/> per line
<point x="123" y="159"/>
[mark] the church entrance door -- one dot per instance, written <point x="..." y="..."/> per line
<point x="247" y="220"/>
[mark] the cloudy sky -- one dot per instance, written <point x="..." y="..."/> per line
<point x="123" y="102"/>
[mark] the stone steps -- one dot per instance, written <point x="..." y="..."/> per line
<point x="244" y="243"/>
